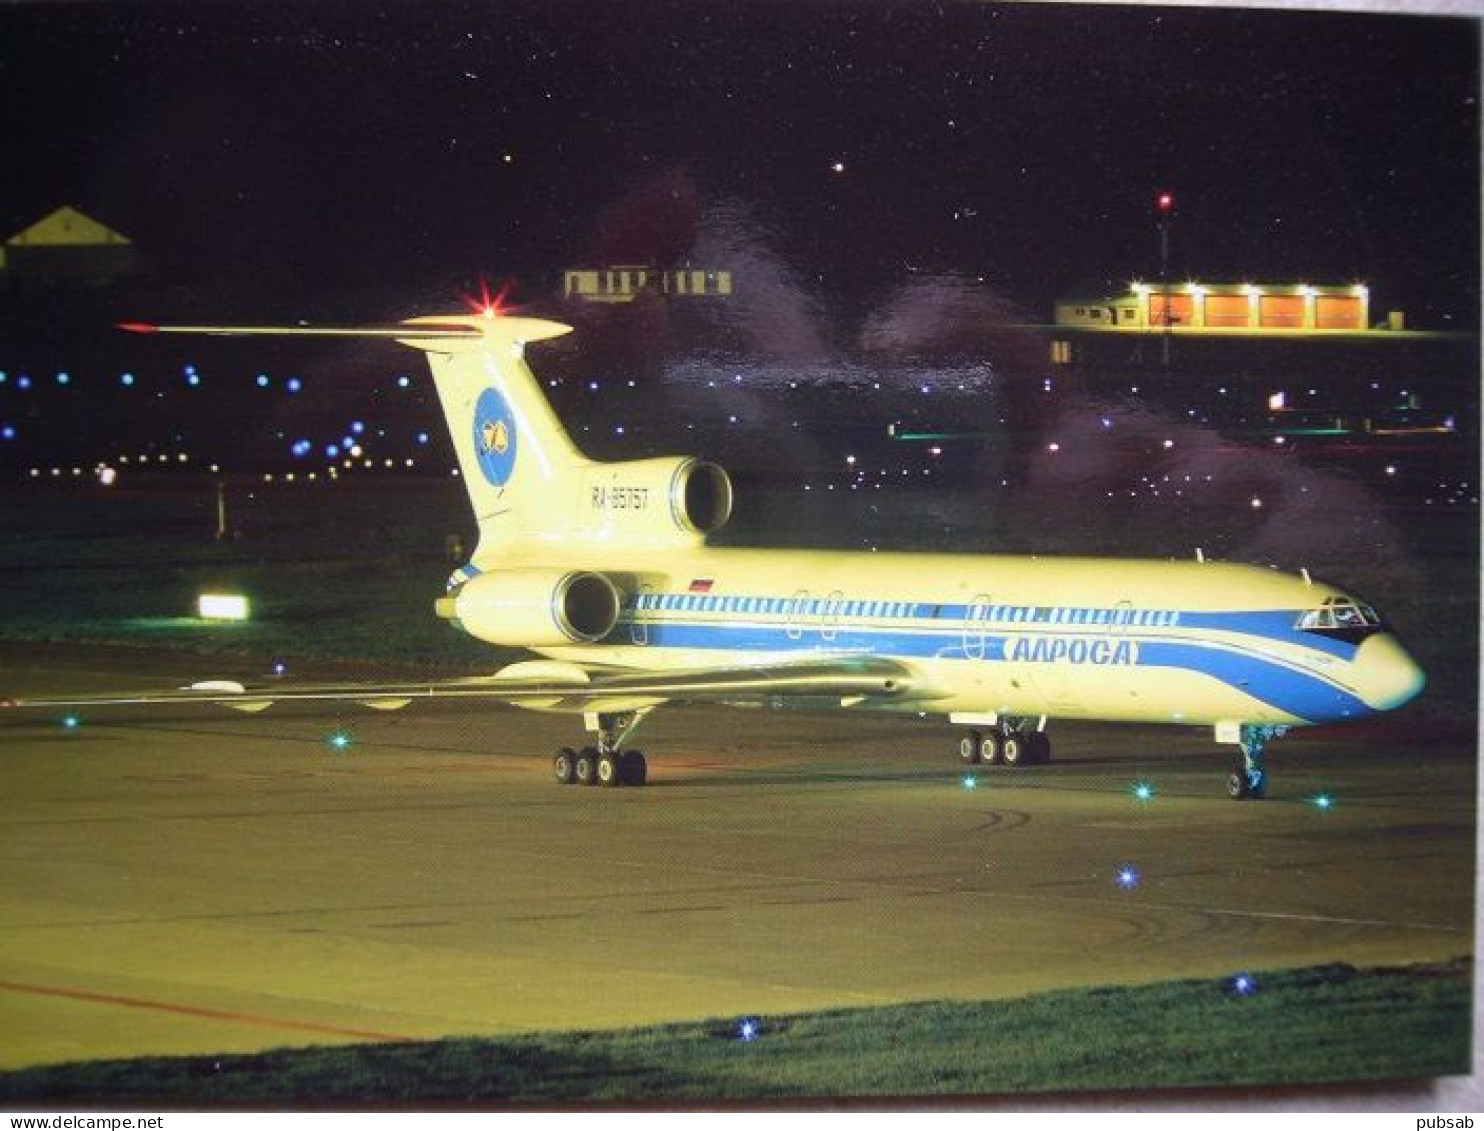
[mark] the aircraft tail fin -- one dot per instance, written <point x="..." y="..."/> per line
<point x="515" y="457"/>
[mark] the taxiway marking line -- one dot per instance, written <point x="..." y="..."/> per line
<point x="257" y="1019"/>
<point x="1341" y="920"/>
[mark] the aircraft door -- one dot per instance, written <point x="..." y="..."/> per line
<point x="638" y="628"/>
<point x="976" y="620"/>
<point x="830" y="626"/>
<point x="798" y="606"/>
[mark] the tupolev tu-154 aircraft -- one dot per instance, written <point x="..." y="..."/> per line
<point x="603" y="570"/>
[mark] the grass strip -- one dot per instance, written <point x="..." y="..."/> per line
<point x="1313" y="1025"/>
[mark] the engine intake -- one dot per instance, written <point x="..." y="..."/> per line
<point x="653" y="500"/>
<point x="533" y="608"/>
<point x="701" y="498"/>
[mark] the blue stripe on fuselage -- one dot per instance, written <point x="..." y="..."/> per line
<point x="1305" y="694"/>
<point x="1270" y="624"/>
<point x="1296" y="691"/>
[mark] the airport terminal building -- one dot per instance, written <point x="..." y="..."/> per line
<point x="1251" y="308"/>
<point x="626" y="283"/>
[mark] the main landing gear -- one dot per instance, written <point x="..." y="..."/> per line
<point x="1012" y="744"/>
<point x="1249" y="781"/>
<point x="604" y="764"/>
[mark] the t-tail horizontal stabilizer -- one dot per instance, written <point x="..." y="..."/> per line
<point x="440" y="328"/>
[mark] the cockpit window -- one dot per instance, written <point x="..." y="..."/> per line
<point x="1340" y="616"/>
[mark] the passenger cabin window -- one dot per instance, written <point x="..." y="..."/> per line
<point x="1343" y="618"/>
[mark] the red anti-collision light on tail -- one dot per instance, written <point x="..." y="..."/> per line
<point x="488" y="305"/>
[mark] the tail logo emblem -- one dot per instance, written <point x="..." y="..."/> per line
<point x="494" y="437"/>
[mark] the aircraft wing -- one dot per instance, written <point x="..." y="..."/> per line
<point x="554" y="686"/>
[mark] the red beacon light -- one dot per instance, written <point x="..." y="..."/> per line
<point x="487" y="305"/>
<point x="1165" y="202"/>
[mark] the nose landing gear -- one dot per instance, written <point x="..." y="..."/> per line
<point x="1249" y="780"/>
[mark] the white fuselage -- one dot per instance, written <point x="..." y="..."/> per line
<point x="1136" y="641"/>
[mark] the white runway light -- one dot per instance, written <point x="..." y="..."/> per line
<point x="223" y="606"/>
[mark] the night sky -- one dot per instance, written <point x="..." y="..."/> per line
<point x="404" y="151"/>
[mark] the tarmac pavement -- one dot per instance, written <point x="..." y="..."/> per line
<point x="196" y="880"/>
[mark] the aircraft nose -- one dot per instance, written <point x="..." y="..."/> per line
<point x="1385" y="675"/>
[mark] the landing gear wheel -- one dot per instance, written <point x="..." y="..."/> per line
<point x="968" y="748"/>
<point x="1244" y="786"/>
<point x="991" y="748"/>
<point x="1249" y="781"/>
<point x="564" y="766"/>
<point x="633" y="769"/>
<point x="586" y="769"/>
<point x="1015" y="750"/>
<point x="609" y="769"/>
<point x="1039" y="743"/>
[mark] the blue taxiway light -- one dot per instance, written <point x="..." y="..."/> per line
<point x="1243" y="985"/>
<point x="749" y="1029"/>
<point x="1128" y="877"/>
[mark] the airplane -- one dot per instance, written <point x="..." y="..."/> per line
<point x="604" y="571"/>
